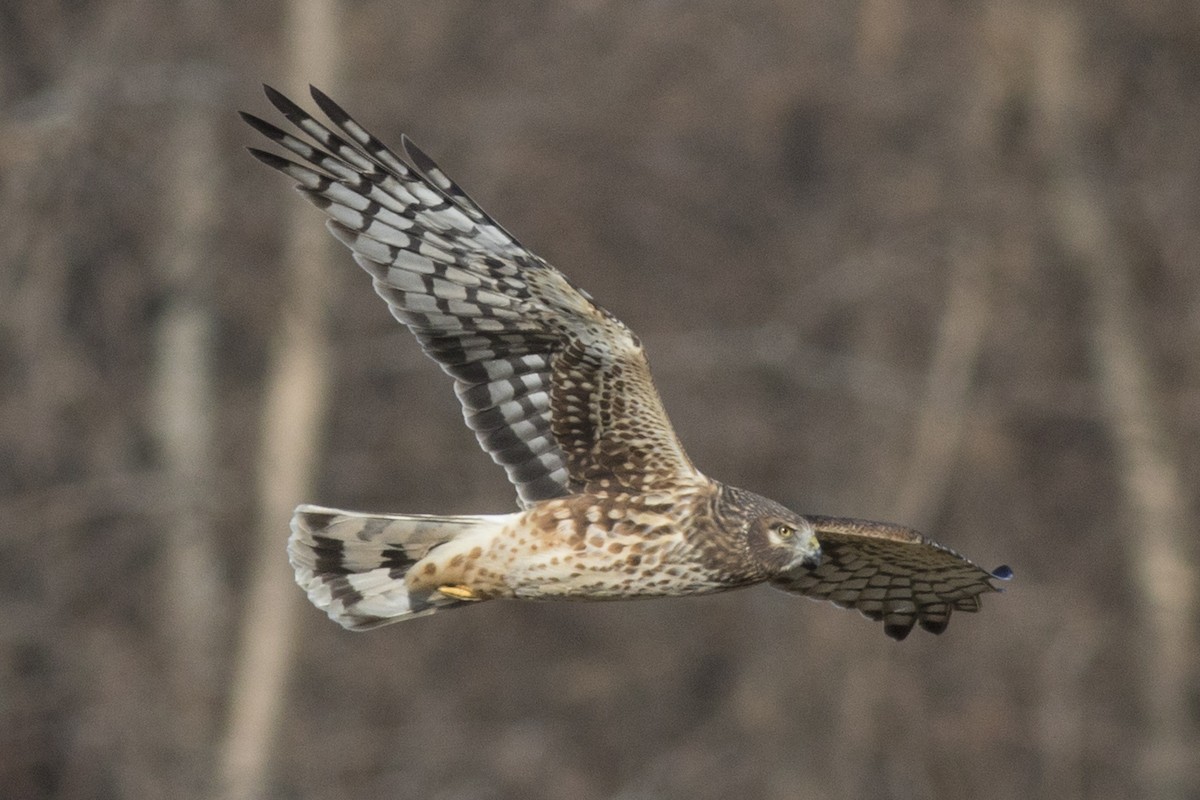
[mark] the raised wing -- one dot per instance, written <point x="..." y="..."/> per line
<point x="557" y="390"/>
<point x="891" y="573"/>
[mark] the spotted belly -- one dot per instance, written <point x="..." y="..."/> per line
<point x="611" y="567"/>
<point x="561" y="553"/>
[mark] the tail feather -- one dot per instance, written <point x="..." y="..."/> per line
<point x="353" y="565"/>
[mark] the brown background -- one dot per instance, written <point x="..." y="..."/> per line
<point x="913" y="260"/>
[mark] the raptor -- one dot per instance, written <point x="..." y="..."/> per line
<point x="558" y="391"/>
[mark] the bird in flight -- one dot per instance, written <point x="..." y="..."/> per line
<point x="558" y="391"/>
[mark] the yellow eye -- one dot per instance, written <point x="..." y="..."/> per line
<point x="784" y="531"/>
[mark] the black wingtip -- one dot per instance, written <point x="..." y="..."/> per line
<point x="285" y="105"/>
<point x="417" y="156"/>
<point x="270" y="159"/>
<point x="897" y="631"/>
<point x="1003" y="573"/>
<point x="262" y="126"/>
<point x="326" y="104"/>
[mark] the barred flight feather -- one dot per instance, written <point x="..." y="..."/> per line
<point x="496" y="317"/>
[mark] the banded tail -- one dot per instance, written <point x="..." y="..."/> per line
<point x="354" y="565"/>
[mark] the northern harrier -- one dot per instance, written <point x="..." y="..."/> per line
<point x="558" y="392"/>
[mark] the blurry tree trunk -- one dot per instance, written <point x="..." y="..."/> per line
<point x="59" y="153"/>
<point x="873" y="688"/>
<point x="297" y="389"/>
<point x="1156" y="528"/>
<point x="184" y="403"/>
<point x="945" y="407"/>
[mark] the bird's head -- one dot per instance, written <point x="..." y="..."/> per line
<point x="784" y="542"/>
<point x="777" y="538"/>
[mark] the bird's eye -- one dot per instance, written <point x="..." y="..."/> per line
<point x="784" y="531"/>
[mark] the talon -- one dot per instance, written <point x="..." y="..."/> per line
<point x="458" y="592"/>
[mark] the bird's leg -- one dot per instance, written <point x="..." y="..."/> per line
<point x="459" y="592"/>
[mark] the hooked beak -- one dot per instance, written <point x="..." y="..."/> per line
<point x="810" y="556"/>
<point x="807" y="561"/>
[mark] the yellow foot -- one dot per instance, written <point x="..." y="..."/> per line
<point x="458" y="592"/>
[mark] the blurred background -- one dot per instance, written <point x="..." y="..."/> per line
<point x="915" y="260"/>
